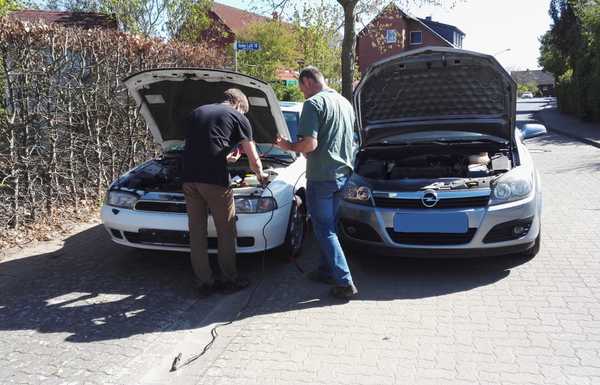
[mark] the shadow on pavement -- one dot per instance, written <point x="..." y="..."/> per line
<point x="93" y="290"/>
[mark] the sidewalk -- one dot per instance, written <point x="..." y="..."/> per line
<point x="570" y="126"/>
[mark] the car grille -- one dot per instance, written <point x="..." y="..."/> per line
<point x="432" y="238"/>
<point x="164" y="207"/>
<point x="175" y="238"/>
<point x="447" y="203"/>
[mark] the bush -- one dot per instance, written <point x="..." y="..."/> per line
<point x="67" y="125"/>
<point x="288" y="93"/>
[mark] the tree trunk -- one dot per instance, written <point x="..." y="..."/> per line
<point x="348" y="47"/>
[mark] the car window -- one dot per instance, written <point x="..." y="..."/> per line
<point x="291" y="119"/>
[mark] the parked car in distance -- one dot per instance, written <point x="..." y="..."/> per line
<point x="442" y="170"/>
<point x="527" y="95"/>
<point x="145" y="207"/>
<point x="291" y="113"/>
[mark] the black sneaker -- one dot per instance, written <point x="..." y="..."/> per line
<point x="205" y="290"/>
<point x="320" y="277"/>
<point x="344" y="292"/>
<point x="230" y="287"/>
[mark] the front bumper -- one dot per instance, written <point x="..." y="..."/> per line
<point x="380" y="237"/>
<point x="134" y="228"/>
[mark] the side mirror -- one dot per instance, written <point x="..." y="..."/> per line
<point x="532" y="130"/>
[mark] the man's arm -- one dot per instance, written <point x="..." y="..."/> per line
<point x="303" y="145"/>
<point x="254" y="159"/>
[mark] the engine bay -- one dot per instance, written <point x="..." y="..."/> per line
<point x="164" y="174"/>
<point x="451" y="166"/>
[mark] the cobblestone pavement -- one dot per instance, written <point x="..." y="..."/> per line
<point x="92" y="313"/>
<point x="78" y="314"/>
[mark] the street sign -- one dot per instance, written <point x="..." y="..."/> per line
<point x="248" y="46"/>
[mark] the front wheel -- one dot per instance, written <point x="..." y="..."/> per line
<point x="296" y="231"/>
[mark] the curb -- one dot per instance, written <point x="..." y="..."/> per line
<point x="538" y="116"/>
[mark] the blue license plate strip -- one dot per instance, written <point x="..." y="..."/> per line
<point x="455" y="223"/>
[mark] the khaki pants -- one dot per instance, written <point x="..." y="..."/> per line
<point x="199" y="198"/>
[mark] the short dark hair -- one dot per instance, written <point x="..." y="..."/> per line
<point x="313" y="73"/>
<point x="236" y="98"/>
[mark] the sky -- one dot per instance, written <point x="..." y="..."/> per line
<point x="510" y="29"/>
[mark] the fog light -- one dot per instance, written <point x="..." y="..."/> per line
<point x="517" y="230"/>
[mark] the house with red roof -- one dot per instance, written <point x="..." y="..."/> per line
<point x="393" y="31"/>
<point x="227" y="23"/>
<point x="85" y="20"/>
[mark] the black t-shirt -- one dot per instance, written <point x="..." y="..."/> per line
<point x="212" y="132"/>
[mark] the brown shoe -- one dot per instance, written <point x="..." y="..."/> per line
<point x="344" y="292"/>
<point x="318" y="276"/>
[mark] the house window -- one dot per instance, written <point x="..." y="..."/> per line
<point x="416" y="37"/>
<point x="457" y="40"/>
<point x="390" y="36"/>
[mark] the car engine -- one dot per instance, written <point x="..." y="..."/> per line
<point x="387" y="166"/>
<point x="164" y="175"/>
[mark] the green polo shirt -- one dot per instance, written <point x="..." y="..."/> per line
<point x="329" y="118"/>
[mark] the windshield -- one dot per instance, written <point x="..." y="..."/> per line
<point x="292" y="119"/>
<point x="266" y="149"/>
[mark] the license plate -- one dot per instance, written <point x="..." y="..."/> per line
<point x="457" y="223"/>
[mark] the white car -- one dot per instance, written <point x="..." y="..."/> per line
<point x="145" y="207"/>
<point x="527" y="95"/>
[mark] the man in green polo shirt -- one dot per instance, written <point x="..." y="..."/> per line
<point x="325" y="132"/>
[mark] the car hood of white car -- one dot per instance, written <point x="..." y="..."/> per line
<point x="166" y="96"/>
<point x="435" y="89"/>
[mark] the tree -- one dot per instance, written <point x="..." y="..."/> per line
<point x="352" y="10"/>
<point x="529" y="87"/>
<point x="8" y="5"/>
<point x="146" y="17"/>
<point x="571" y="51"/>
<point x="318" y="41"/>
<point x="278" y="49"/>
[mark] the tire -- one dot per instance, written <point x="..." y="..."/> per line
<point x="296" y="231"/>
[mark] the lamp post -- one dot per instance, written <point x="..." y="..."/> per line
<point x="501" y="52"/>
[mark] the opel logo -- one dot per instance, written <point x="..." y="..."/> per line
<point x="430" y="198"/>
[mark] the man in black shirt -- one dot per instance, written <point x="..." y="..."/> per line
<point x="212" y="132"/>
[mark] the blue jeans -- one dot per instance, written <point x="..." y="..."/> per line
<point x="323" y="201"/>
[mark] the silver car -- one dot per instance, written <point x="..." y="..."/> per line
<point x="442" y="170"/>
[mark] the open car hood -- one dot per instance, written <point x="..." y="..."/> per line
<point x="166" y="96"/>
<point x="435" y="89"/>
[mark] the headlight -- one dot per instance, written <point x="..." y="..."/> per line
<point x="512" y="186"/>
<point x="121" y="199"/>
<point x="357" y="194"/>
<point x="253" y="205"/>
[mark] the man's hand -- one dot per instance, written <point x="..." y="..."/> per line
<point x="263" y="177"/>
<point x="283" y="143"/>
<point x="234" y="156"/>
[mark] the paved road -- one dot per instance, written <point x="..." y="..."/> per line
<point x="93" y="313"/>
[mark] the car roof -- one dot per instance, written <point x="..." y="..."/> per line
<point x="290" y="106"/>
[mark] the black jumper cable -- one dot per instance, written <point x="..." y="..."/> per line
<point x="177" y="364"/>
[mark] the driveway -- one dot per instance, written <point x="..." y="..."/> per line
<point x="92" y="312"/>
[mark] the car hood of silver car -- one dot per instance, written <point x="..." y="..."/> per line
<point x="435" y="89"/>
<point x="166" y="96"/>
